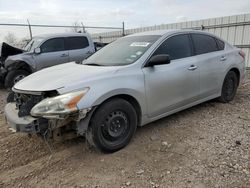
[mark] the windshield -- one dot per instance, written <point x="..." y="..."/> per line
<point x="123" y="51"/>
<point x="33" y="44"/>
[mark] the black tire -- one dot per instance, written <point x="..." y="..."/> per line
<point x="229" y="87"/>
<point x="10" y="97"/>
<point x="14" y="76"/>
<point x="112" y="126"/>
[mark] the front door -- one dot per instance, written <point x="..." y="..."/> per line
<point x="53" y="52"/>
<point x="171" y="86"/>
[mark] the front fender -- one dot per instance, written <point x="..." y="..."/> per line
<point x="124" y="91"/>
<point x="12" y="60"/>
<point x="96" y="101"/>
<point x="105" y="88"/>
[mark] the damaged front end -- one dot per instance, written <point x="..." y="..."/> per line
<point x="48" y="114"/>
<point x="6" y="50"/>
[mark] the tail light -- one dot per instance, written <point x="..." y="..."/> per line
<point x="242" y="54"/>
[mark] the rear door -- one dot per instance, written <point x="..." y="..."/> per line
<point x="211" y="59"/>
<point x="174" y="85"/>
<point x="53" y="52"/>
<point x="79" y="48"/>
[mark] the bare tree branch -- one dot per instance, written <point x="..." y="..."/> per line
<point x="11" y="39"/>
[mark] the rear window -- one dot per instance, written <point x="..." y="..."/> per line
<point x="204" y="44"/>
<point x="74" y="43"/>
<point x="221" y="44"/>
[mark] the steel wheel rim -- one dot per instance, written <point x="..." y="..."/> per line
<point x="115" y="127"/>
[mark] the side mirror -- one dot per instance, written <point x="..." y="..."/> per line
<point x="37" y="50"/>
<point x="160" y="59"/>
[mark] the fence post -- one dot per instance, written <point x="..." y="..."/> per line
<point x="83" y="28"/>
<point x="29" y="29"/>
<point x="123" y="29"/>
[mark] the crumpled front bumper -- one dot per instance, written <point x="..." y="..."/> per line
<point x="27" y="124"/>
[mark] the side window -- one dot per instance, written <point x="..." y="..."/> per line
<point x="53" y="45"/>
<point x="176" y="47"/>
<point x="204" y="44"/>
<point x="74" y="43"/>
<point x="221" y="44"/>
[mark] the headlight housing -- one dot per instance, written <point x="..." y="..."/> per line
<point x="59" y="105"/>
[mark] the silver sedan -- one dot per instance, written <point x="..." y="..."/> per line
<point x="131" y="82"/>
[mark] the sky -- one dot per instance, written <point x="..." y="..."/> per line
<point x="135" y="13"/>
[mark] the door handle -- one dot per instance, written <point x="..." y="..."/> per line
<point x="192" y="67"/>
<point x="64" y="55"/>
<point x="223" y="58"/>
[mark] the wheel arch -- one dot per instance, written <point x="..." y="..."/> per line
<point x="85" y="122"/>
<point x="20" y="65"/>
<point x="237" y="72"/>
<point x="129" y="98"/>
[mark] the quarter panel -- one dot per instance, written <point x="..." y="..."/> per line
<point x="235" y="61"/>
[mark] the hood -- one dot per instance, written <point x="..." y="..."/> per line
<point x="8" y="50"/>
<point x="63" y="76"/>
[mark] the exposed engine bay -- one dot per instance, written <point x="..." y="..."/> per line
<point x="56" y="129"/>
<point x="5" y="51"/>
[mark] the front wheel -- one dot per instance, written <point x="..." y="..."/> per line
<point x="112" y="125"/>
<point x="229" y="87"/>
<point x="14" y="76"/>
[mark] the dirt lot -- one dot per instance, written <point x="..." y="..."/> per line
<point x="205" y="146"/>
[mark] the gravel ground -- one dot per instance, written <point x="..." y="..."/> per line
<point x="205" y="146"/>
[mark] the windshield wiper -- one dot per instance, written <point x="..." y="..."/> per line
<point x="92" y="64"/>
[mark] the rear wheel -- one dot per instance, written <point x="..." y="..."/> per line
<point x="14" y="76"/>
<point x="229" y="87"/>
<point x="112" y="125"/>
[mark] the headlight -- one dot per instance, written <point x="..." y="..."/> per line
<point x="59" y="105"/>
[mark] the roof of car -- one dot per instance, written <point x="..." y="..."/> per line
<point x="53" y="35"/>
<point x="168" y="32"/>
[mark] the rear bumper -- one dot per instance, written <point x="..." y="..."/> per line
<point x="26" y="124"/>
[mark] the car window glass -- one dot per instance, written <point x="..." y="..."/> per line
<point x="204" y="43"/>
<point x="53" y="45"/>
<point x="33" y="44"/>
<point x="221" y="44"/>
<point x="77" y="43"/>
<point x="123" y="51"/>
<point x="176" y="47"/>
